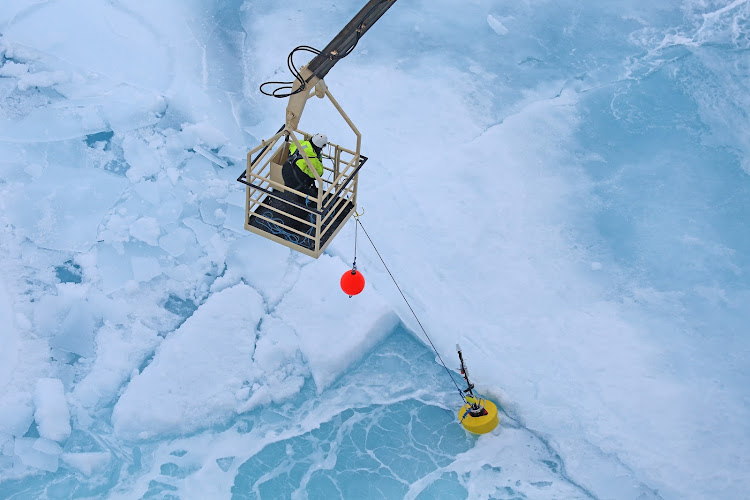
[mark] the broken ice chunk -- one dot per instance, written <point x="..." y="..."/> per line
<point x="76" y="331"/>
<point x="24" y="448"/>
<point x="175" y="242"/>
<point x="52" y="415"/>
<point x="145" y="268"/>
<point x="47" y="446"/>
<point x="87" y="462"/>
<point x="146" y="229"/>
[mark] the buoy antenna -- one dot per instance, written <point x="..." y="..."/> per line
<point x="465" y="372"/>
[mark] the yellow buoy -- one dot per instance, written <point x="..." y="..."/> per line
<point x="481" y="424"/>
<point x="478" y="415"/>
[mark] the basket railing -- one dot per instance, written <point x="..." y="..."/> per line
<point x="314" y="216"/>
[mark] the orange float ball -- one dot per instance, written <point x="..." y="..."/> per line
<point x="352" y="282"/>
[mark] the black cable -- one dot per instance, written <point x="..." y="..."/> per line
<point x="295" y="73"/>
<point x="277" y="92"/>
<point x="415" y="314"/>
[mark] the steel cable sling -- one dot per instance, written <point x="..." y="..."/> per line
<point x="447" y="370"/>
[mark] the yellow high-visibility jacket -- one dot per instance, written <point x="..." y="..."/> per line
<point x="302" y="164"/>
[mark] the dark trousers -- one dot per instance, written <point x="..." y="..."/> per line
<point x="296" y="179"/>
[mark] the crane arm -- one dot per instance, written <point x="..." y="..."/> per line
<point x="338" y="48"/>
<point x="347" y="39"/>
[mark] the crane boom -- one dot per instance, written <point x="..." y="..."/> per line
<point x="310" y="74"/>
<point x="348" y="37"/>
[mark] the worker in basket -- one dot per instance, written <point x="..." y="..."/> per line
<point x="296" y="172"/>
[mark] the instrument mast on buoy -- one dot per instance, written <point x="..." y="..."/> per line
<point x="478" y="415"/>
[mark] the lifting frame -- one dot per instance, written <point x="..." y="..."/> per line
<point x="287" y="216"/>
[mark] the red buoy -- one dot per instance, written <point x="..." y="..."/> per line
<point x="352" y="282"/>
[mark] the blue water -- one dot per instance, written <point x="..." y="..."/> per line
<point x="375" y="451"/>
<point x="378" y="451"/>
<point x="407" y="433"/>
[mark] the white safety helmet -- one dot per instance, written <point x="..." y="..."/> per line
<point x="319" y="140"/>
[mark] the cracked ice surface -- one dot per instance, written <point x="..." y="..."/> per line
<point x="582" y="233"/>
<point x="196" y="376"/>
<point x="401" y="443"/>
<point x="228" y="357"/>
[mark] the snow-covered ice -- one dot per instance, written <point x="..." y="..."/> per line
<point x="10" y="341"/>
<point x="334" y="331"/>
<point x="559" y="187"/>
<point x="197" y="373"/>
<point x="34" y="452"/>
<point x="51" y="409"/>
<point x="61" y="209"/>
<point x="87" y="463"/>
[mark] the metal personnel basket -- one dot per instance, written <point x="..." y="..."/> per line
<point x="281" y="214"/>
